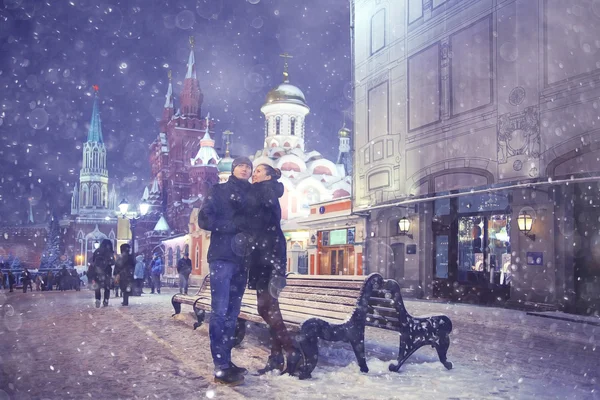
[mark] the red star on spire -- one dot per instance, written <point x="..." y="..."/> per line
<point x="96" y="87"/>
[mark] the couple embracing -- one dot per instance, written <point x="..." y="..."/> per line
<point x="247" y="247"/>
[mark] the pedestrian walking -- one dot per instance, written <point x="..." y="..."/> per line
<point x="75" y="281"/>
<point x="156" y="271"/>
<point x="26" y="280"/>
<point x="138" y="275"/>
<point x="267" y="264"/>
<point x="124" y="268"/>
<point x="38" y="283"/>
<point x="115" y="284"/>
<point x="63" y="279"/>
<point x="49" y="280"/>
<point x="223" y="206"/>
<point x="184" y="269"/>
<point x="101" y="270"/>
<point x="11" y="281"/>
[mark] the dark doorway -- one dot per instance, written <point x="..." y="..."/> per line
<point x="587" y="252"/>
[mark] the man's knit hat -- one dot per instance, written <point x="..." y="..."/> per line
<point x="239" y="161"/>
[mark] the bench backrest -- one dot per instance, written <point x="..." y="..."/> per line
<point x="386" y="308"/>
<point x="334" y="299"/>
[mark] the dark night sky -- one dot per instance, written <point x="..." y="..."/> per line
<point x="53" y="51"/>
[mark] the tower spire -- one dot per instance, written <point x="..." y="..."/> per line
<point x="95" y="131"/>
<point x="191" y="70"/>
<point x="169" y="95"/>
<point x="191" y="96"/>
<point x="286" y="75"/>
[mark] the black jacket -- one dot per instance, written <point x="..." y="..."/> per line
<point x="124" y="268"/>
<point x="101" y="268"/>
<point x="220" y="214"/>
<point x="184" y="266"/>
<point x="263" y="221"/>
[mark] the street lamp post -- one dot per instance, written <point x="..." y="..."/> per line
<point x="123" y="208"/>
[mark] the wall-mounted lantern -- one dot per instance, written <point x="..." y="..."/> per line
<point x="525" y="224"/>
<point x="404" y="227"/>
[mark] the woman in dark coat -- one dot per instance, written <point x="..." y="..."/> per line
<point x="267" y="263"/>
<point x="100" y="272"/>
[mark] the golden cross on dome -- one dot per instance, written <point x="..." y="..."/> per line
<point x="286" y="75"/>
<point x="227" y="134"/>
<point x="192" y="42"/>
<point x="170" y="74"/>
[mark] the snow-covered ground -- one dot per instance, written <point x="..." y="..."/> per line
<point x="58" y="346"/>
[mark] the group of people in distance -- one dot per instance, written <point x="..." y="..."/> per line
<point x="247" y="247"/>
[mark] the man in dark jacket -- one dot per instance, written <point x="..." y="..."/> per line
<point x="26" y="279"/>
<point x="224" y="206"/>
<point x="11" y="281"/>
<point x="124" y="269"/>
<point x="184" y="269"/>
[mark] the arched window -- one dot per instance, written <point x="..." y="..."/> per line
<point x="197" y="257"/>
<point x="186" y="249"/>
<point x="84" y="196"/>
<point x="267" y="127"/>
<point x="178" y="252"/>
<point x="277" y="125"/>
<point x="293" y="125"/>
<point x="170" y="257"/>
<point x="104" y="196"/>
<point x="95" y="195"/>
<point x="95" y="159"/>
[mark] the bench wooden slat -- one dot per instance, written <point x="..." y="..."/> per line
<point x="350" y="293"/>
<point x="249" y="307"/>
<point x="345" y="309"/>
<point x="325" y="299"/>
<point x="326" y="284"/>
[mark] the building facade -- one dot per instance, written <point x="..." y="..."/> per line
<point x="182" y="158"/>
<point x="334" y="239"/>
<point x="476" y="126"/>
<point x="93" y="207"/>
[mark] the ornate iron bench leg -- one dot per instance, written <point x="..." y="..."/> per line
<point x="240" y="331"/>
<point x="403" y="354"/>
<point x="176" y="306"/>
<point x="357" y="340"/>
<point x="442" y="349"/>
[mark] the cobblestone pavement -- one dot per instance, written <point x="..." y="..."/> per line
<point x="59" y="346"/>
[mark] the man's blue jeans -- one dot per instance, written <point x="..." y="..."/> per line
<point x="227" y="285"/>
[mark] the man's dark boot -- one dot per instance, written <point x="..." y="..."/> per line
<point x="238" y="370"/>
<point x="229" y="377"/>
<point x="275" y="362"/>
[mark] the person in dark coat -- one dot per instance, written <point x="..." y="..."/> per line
<point x="267" y="263"/>
<point x="75" y="282"/>
<point x="49" y="280"/>
<point x="63" y="279"/>
<point x="11" y="281"/>
<point x="223" y="206"/>
<point x="124" y="270"/>
<point x="26" y="279"/>
<point x="100" y="272"/>
<point x="184" y="269"/>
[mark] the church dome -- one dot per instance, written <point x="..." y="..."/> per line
<point x="225" y="164"/>
<point x="286" y="93"/>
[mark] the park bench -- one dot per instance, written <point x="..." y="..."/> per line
<point x="337" y="308"/>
